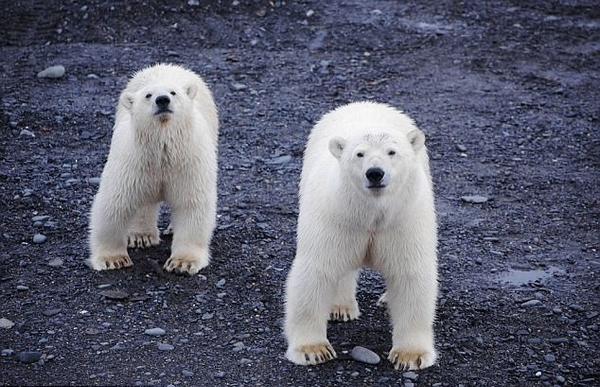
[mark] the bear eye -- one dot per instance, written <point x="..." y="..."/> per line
<point x="173" y="93"/>
<point x="391" y="153"/>
<point x="148" y="95"/>
<point x="360" y="154"/>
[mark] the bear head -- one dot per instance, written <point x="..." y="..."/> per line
<point x="374" y="163"/>
<point x="161" y="102"/>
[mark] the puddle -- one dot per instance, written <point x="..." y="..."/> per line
<point x="523" y="277"/>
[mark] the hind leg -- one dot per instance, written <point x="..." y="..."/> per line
<point x="345" y="306"/>
<point x="144" y="232"/>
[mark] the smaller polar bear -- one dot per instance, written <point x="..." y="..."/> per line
<point x="164" y="148"/>
<point x="366" y="198"/>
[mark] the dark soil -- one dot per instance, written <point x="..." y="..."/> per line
<point x="506" y="91"/>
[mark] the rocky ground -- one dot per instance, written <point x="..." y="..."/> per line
<point x="506" y="91"/>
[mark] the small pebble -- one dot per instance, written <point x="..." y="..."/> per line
<point x="219" y="375"/>
<point x="475" y="199"/>
<point x="6" y="323"/>
<point x="410" y="375"/>
<point x="52" y="72"/>
<point x="8" y="352"/>
<point x="187" y="373"/>
<point x="559" y="340"/>
<point x="238" y="87"/>
<point x="56" y="262"/>
<point x="27" y="133"/>
<point x="221" y="283"/>
<point x="94" y="180"/>
<point x="40" y="218"/>
<point x="549" y="358"/>
<point x="155" y="332"/>
<point x="165" y="347"/>
<point x="531" y="303"/>
<point x="461" y="148"/>
<point x="207" y="316"/>
<point x="51" y="312"/>
<point x="364" y="355"/>
<point x="29" y="357"/>
<point x="22" y="288"/>
<point x="39" y="238"/>
<point x="559" y="378"/>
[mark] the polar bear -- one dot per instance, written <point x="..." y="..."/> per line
<point x="164" y="148"/>
<point x="366" y="198"/>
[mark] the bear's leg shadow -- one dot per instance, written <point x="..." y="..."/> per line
<point x="192" y="232"/>
<point x="309" y="296"/>
<point x="345" y="306"/>
<point x="411" y="304"/>
<point x="109" y="223"/>
<point x="144" y="232"/>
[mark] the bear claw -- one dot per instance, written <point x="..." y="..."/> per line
<point x="343" y="313"/>
<point x="112" y="262"/>
<point x="409" y="360"/>
<point x="312" y="354"/>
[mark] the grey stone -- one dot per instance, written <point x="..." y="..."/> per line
<point x="22" y="288"/>
<point x="531" y="303"/>
<point x="94" y="180"/>
<point x="410" y="375"/>
<point x="27" y="133"/>
<point x="474" y="199"/>
<point x="155" y="332"/>
<point x="40" y="218"/>
<point x="6" y="323"/>
<point x="549" y="358"/>
<point x="238" y="86"/>
<point x="165" y="347"/>
<point x="461" y="148"/>
<point x="29" y="357"/>
<point x="364" y="355"/>
<point x="52" y="72"/>
<point x="39" y="238"/>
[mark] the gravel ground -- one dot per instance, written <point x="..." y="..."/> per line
<point x="506" y="91"/>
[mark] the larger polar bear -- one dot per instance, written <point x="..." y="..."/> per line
<point x="366" y="198"/>
<point x="164" y="148"/>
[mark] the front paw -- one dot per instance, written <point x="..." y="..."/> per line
<point x="311" y="353"/>
<point x="111" y="262"/>
<point x="344" y="313"/>
<point x="186" y="263"/>
<point x="411" y="359"/>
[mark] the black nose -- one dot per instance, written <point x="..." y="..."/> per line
<point x="162" y="101"/>
<point x="374" y="175"/>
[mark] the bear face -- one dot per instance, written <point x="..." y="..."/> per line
<point x="374" y="162"/>
<point x="159" y="101"/>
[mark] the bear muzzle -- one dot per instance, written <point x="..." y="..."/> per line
<point x="162" y="108"/>
<point x="374" y="177"/>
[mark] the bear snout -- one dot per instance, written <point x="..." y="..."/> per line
<point x="162" y="101"/>
<point x="374" y="176"/>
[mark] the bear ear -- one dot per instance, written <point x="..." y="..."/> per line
<point x="127" y="100"/>
<point x="417" y="139"/>
<point x="336" y="146"/>
<point x="191" y="90"/>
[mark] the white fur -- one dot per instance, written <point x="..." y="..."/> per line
<point x="157" y="157"/>
<point x="344" y="225"/>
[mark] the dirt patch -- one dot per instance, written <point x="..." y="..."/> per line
<point x="508" y="97"/>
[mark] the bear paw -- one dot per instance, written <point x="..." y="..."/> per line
<point x="111" y="262"/>
<point x="311" y="354"/>
<point x="142" y="241"/>
<point x="182" y="264"/>
<point x="411" y="359"/>
<point x="344" y="313"/>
